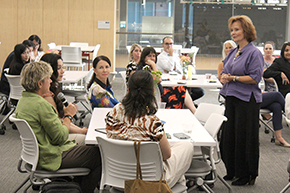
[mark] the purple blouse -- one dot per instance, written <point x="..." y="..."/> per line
<point x="249" y="62"/>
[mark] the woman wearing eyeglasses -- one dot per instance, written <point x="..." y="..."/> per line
<point x="280" y="70"/>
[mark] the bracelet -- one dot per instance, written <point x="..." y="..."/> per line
<point x="68" y="116"/>
<point x="236" y="79"/>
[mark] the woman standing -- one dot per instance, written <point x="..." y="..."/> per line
<point x="243" y="68"/>
<point x="100" y="91"/>
<point x="280" y="70"/>
<point x="134" y="57"/>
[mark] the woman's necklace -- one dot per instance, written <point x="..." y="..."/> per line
<point x="238" y="53"/>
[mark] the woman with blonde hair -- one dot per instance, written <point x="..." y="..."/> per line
<point x="227" y="46"/>
<point x="134" y="57"/>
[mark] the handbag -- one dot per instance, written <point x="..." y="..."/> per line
<point x="140" y="186"/>
<point x="61" y="186"/>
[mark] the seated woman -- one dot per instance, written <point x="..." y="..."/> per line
<point x="37" y="50"/>
<point x="275" y="102"/>
<point x="100" y="91"/>
<point x="134" y="57"/>
<point x="227" y="46"/>
<point x="75" y="133"/>
<point x="269" y="48"/>
<point x="176" y="97"/>
<point x="21" y="57"/>
<point x="55" y="150"/>
<point x="280" y="70"/>
<point x="134" y="119"/>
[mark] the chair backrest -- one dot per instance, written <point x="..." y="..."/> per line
<point x="119" y="161"/>
<point x="51" y="45"/>
<point x="88" y="77"/>
<point x="204" y="110"/>
<point x="287" y="106"/>
<point x="123" y="75"/>
<point x="71" y="55"/>
<point x="276" y="85"/>
<point x="194" y="50"/>
<point x="214" y="123"/>
<point x="79" y="44"/>
<point x="128" y="49"/>
<point x="95" y="53"/>
<point x="29" y="151"/>
<point x="15" y="87"/>
<point x="262" y="84"/>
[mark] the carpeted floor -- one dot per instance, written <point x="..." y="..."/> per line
<point x="273" y="175"/>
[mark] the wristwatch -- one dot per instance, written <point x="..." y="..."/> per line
<point x="236" y="78"/>
<point x="68" y="116"/>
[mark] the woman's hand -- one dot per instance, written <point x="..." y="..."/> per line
<point x="151" y="64"/>
<point x="225" y="78"/>
<point x="84" y="130"/>
<point x="71" y="109"/>
<point x="284" y="78"/>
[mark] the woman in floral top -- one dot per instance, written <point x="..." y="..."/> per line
<point x="135" y="119"/>
<point x="100" y="91"/>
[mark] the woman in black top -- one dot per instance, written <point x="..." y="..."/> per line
<point x="21" y="57"/>
<point x="280" y="70"/>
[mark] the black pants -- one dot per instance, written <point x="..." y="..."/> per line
<point x="84" y="156"/>
<point x="240" y="137"/>
<point x="196" y="93"/>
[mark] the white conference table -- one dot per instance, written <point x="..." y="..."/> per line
<point x="73" y="76"/>
<point x="198" y="80"/>
<point x="182" y="51"/>
<point x="83" y="48"/>
<point x="177" y="120"/>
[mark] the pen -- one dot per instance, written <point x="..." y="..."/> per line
<point x="98" y="130"/>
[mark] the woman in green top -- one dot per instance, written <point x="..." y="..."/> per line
<point x="55" y="151"/>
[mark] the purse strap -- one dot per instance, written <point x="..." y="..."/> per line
<point x="137" y="154"/>
<point x="138" y="166"/>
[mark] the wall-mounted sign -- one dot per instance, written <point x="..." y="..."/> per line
<point x="104" y="24"/>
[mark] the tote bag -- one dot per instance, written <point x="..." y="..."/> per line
<point x="140" y="186"/>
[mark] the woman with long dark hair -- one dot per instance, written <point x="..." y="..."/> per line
<point x="280" y="70"/>
<point x="37" y="50"/>
<point x="175" y="97"/>
<point x="100" y="91"/>
<point x="21" y="57"/>
<point x="134" y="119"/>
<point x="75" y="133"/>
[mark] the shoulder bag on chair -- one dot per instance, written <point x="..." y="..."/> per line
<point x="140" y="186"/>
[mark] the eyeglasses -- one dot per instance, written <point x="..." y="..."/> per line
<point x="168" y="44"/>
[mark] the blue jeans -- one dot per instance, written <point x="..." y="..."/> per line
<point x="275" y="102"/>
